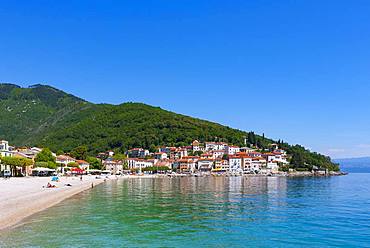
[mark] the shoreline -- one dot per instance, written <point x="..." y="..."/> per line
<point x="29" y="198"/>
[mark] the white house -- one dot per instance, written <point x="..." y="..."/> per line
<point x="195" y="146"/>
<point x="281" y="157"/>
<point x="4" y="149"/>
<point x="114" y="166"/>
<point x="138" y="164"/>
<point x="258" y="163"/>
<point x="218" y="153"/>
<point x="246" y="149"/>
<point x="247" y="164"/>
<point x="210" y="146"/>
<point x="272" y="166"/>
<point x="64" y="159"/>
<point x="269" y="157"/>
<point x="138" y="153"/>
<point x="232" y="150"/>
<point x="235" y="163"/>
<point x="205" y="164"/>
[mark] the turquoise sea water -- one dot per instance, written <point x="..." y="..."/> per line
<point x="206" y="212"/>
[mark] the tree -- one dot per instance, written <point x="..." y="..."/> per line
<point x="252" y="138"/>
<point x="60" y="152"/>
<point x="73" y="164"/>
<point x="119" y="156"/>
<point x="15" y="162"/>
<point x="79" y="152"/>
<point x="94" y="163"/>
<point x="45" y="156"/>
<point x="49" y="165"/>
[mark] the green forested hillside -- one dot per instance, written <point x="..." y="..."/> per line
<point x="45" y="116"/>
<point x="28" y="112"/>
<point x="135" y="125"/>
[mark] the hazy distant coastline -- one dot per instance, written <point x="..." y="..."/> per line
<point x="354" y="165"/>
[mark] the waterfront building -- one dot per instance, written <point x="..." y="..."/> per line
<point x="163" y="163"/>
<point x="64" y="159"/>
<point x="5" y="149"/>
<point x="209" y="146"/>
<point x="84" y="165"/>
<point x="138" y="153"/>
<point x="254" y="154"/>
<point x="114" y="166"/>
<point x="218" y="153"/>
<point x="281" y="157"/>
<point x="246" y="149"/>
<point x="247" y="163"/>
<point x="207" y="155"/>
<point x="138" y="164"/>
<point x="186" y="164"/>
<point x="220" y="165"/>
<point x="272" y="166"/>
<point x="235" y="163"/>
<point x="205" y="164"/>
<point x="258" y="163"/>
<point x="160" y="155"/>
<point x="180" y="153"/>
<point x="232" y="150"/>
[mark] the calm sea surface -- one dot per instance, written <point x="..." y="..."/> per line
<point x="206" y="212"/>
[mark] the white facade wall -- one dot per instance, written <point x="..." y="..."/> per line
<point x="4" y="149"/>
<point x="205" y="164"/>
<point x="218" y="154"/>
<point x="235" y="164"/>
<point x="232" y="150"/>
<point x="273" y="167"/>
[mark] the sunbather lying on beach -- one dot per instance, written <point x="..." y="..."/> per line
<point x="49" y="185"/>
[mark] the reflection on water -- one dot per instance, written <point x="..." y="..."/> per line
<point x="211" y="211"/>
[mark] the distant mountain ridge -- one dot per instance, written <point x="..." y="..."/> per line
<point x="354" y="165"/>
<point x="45" y="116"/>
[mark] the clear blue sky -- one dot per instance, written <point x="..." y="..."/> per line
<point x="297" y="70"/>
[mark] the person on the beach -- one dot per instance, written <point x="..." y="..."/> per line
<point x="49" y="185"/>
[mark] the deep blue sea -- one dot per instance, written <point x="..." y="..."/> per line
<point x="206" y="212"/>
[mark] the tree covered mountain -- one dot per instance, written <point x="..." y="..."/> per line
<point x="44" y="116"/>
<point x="26" y="113"/>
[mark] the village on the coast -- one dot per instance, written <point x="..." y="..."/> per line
<point x="198" y="158"/>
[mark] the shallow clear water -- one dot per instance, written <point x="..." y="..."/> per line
<point x="206" y="212"/>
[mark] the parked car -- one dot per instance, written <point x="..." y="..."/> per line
<point x="6" y="173"/>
